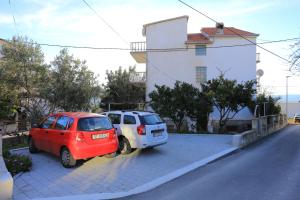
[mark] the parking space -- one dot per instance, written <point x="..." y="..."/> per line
<point x="48" y="178"/>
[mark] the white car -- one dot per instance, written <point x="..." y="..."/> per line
<point x="138" y="129"/>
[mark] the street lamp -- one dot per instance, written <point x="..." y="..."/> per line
<point x="287" y="94"/>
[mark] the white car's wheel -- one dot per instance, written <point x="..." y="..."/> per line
<point x="110" y="155"/>
<point x="124" y="145"/>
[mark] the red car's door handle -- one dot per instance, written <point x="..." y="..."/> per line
<point x="62" y="133"/>
<point x="46" y="131"/>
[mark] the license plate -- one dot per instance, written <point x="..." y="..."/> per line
<point x="157" y="134"/>
<point x="99" y="136"/>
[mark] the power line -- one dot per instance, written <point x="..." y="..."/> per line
<point x="236" y="33"/>
<point x="125" y="41"/>
<point x="155" y="49"/>
<point x="102" y="19"/>
<point x="13" y="16"/>
<point x="105" y="22"/>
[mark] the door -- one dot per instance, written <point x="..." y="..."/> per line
<point x="60" y="134"/>
<point x="129" y="128"/>
<point x="116" y="120"/>
<point x="41" y="139"/>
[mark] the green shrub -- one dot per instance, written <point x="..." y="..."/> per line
<point x="5" y="153"/>
<point x="17" y="163"/>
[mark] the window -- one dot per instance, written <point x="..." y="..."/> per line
<point x="48" y="122"/>
<point x="94" y="124"/>
<point x="150" y="119"/>
<point x="62" y="123"/>
<point x="115" y="118"/>
<point x="201" y="74"/>
<point x="200" y="50"/>
<point x="70" y="123"/>
<point x="129" y="119"/>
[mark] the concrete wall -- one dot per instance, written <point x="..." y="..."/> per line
<point x="261" y="127"/>
<point x="6" y="181"/>
<point x="165" y="67"/>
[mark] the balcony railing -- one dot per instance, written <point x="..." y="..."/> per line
<point x="138" y="77"/>
<point x="138" y="46"/>
<point x="257" y="57"/>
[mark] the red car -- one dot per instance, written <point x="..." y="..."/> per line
<point x="74" y="136"/>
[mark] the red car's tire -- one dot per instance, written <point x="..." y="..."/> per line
<point x="31" y="145"/>
<point x="66" y="158"/>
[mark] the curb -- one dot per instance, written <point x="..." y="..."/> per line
<point x="150" y="185"/>
<point x="18" y="149"/>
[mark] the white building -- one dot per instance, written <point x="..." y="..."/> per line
<point x="170" y="53"/>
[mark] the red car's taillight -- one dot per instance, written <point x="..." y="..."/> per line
<point x="80" y="137"/>
<point x="141" y="130"/>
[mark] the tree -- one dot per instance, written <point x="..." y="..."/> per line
<point x="200" y="108"/>
<point x="267" y="103"/>
<point x="295" y="56"/>
<point x="167" y="103"/>
<point x="229" y="97"/>
<point x="22" y="74"/>
<point x="72" y="86"/>
<point x="119" y="88"/>
<point x="184" y="100"/>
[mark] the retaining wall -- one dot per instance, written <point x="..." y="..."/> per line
<point x="261" y="127"/>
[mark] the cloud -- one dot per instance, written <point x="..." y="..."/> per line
<point x="245" y="9"/>
<point x="6" y="19"/>
<point x="72" y="23"/>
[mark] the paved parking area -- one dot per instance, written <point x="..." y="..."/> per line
<point x="123" y="173"/>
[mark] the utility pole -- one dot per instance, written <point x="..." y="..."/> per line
<point x="287" y="96"/>
<point x="265" y="107"/>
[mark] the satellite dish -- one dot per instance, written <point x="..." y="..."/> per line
<point x="259" y="73"/>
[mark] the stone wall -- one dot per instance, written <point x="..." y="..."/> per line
<point x="261" y="127"/>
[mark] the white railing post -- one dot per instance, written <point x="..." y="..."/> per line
<point x="137" y="46"/>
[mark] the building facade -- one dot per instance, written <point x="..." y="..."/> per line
<point x="171" y="53"/>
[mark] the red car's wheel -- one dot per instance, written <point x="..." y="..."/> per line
<point x="32" y="147"/>
<point x="66" y="158"/>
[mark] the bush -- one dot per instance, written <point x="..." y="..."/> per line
<point x="17" y="163"/>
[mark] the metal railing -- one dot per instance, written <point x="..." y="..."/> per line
<point x="138" y="46"/>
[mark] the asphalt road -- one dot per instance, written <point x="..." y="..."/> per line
<point x="267" y="170"/>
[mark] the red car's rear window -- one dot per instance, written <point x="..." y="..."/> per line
<point x="94" y="124"/>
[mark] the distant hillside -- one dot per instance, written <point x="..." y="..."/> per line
<point x="291" y="98"/>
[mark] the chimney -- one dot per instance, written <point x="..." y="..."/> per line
<point x="220" y="28"/>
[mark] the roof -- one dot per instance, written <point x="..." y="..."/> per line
<point x="198" y="38"/>
<point x="2" y="41"/>
<point x="142" y="113"/>
<point x="165" y="20"/>
<point x="79" y="114"/>
<point x="227" y="31"/>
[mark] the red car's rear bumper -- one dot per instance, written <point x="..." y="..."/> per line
<point x="84" y="150"/>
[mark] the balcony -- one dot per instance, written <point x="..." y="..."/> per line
<point x="257" y="57"/>
<point x="138" y="51"/>
<point x="137" y="77"/>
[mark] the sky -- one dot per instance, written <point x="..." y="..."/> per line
<point x="71" y="22"/>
